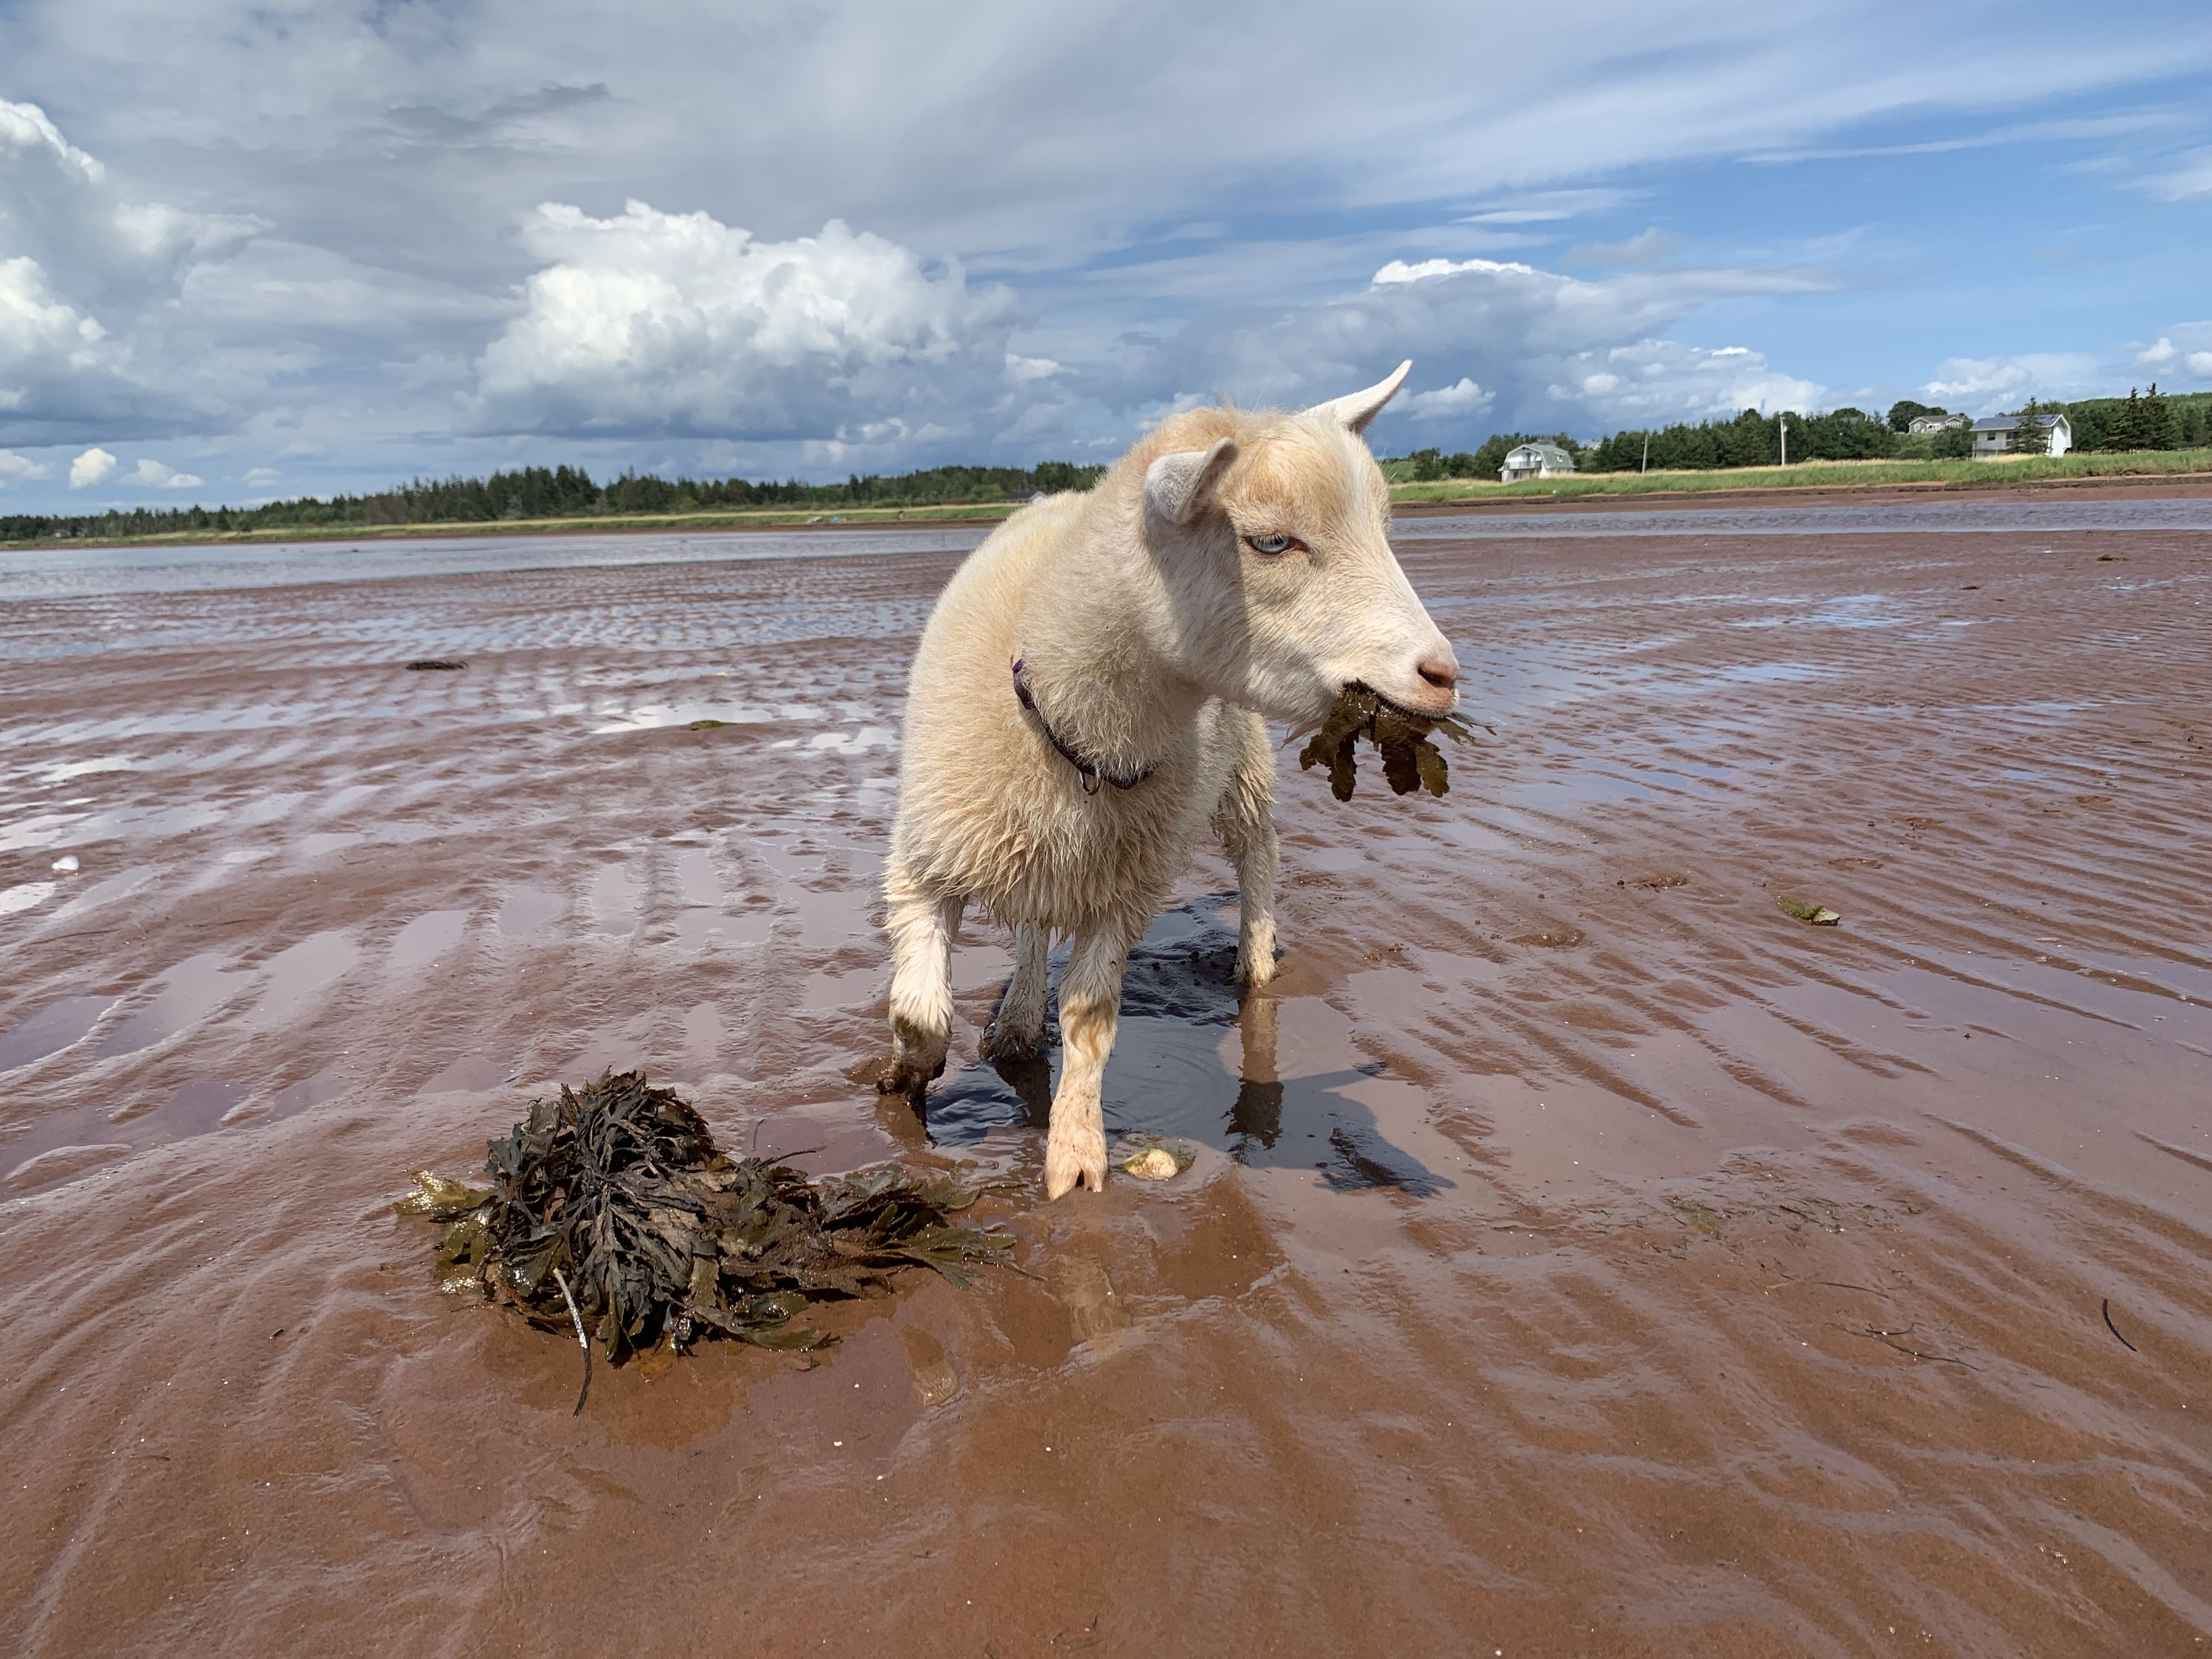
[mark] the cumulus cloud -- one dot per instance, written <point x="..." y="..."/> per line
<point x="20" y="467"/>
<point x="1488" y="335"/>
<point x="93" y="466"/>
<point x="2190" y="355"/>
<point x="2035" y="374"/>
<point x="89" y="286"/>
<point x="653" y="322"/>
<point x="1651" y="381"/>
<point x="153" y="475"/>
<point x="1448" y="403"/>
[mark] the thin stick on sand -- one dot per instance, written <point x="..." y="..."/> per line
<point x="582" y="1341"/>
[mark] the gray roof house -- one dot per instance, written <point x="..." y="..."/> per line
<point x="1535" y="461"/>
<point x="1993" y="434"/>
<point x="1921" y="425"/>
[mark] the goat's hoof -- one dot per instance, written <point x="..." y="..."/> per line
<point x="1255" y="968"/>
<point x="1004" y="1043"/>
<point x="1066" y="1164"/>
<point x="906" y="1077"/>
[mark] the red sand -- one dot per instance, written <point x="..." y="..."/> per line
<point x="1584" y="1258"/>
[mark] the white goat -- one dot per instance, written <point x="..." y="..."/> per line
<point x="1090" y="696"/>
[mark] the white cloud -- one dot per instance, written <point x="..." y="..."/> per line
<point x="1450" y="402"/>
<point x="2185" y="350"/>
<point x="153" y="475"/>
<point x="13" y="466"/>
<point x="26" y="131"/>
<point x="1543" y="348"/>
<point x="2035" y="374"/>
<point x="656" y="321"/>
<point x="2189" y="177"/>
<point x="1646" y="247"/>
<point x="89" y="282"/>
<point x="1648" y="382"/>
<point x="263" y="478"/>
<point x="93" y="466"/>
<point x="1399" y="271"/>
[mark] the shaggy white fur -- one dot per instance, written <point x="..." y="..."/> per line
<point x="1234" y="566"/>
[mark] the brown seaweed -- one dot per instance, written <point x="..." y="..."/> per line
<point x="1410" y="761"/>
<point x="616" y="1196"/>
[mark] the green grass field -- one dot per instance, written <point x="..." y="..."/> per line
<point x="1822" y="475"/>
<point x="1811" y="475"/>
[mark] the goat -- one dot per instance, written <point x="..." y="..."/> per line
<point x="1090" y="696"/>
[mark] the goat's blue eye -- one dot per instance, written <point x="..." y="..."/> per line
<point x="1277" y="542"/>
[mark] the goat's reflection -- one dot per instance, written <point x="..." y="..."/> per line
<point x="1165" y="1077"/>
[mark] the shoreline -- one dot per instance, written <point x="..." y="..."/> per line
<point x="1405" y="502"/>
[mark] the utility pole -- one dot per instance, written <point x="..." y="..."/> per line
<point x="1646" y="467"/>
<point x="1785" y="441"/>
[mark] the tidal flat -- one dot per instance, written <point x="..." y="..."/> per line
<point x="1581" y="1254"/>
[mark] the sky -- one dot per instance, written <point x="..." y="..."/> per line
<point x="253" y="250"/>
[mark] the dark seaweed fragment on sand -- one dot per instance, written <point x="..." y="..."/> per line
<point x="437" y="664"/>
<point x="619" y="1190"/>
<point x="1410" y="761"/>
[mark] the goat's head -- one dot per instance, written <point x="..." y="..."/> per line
<point x="1274" y="545"/>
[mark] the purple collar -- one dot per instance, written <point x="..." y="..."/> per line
<point x="1090" y="771"/>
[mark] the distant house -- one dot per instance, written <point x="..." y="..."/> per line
<point x="1993" y="434"/>
<point x="1923" y="425"/>
<point x="1535" y="461"/>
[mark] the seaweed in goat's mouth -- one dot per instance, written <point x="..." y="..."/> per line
<point x="611" y="1211"/>
<point x="1410" y="761"/>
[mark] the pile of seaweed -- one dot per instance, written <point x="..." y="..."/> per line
<point x="1410" y="761"/>
<point x="612" y="1208"/>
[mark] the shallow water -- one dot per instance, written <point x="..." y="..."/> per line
<point x="1580" y="1256"/>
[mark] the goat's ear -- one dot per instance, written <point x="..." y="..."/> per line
<point x="1176" y="485"/>
<point x="1354" y="413"/>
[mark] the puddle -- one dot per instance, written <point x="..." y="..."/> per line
<point x="1180" y="1009"/>
<point x="617" y="898"/>
<point x="191" y="991"/>
<point x="696" y="880"/>
<point x="53" y="1029"/>
<point x="527" y="909"/>
<point x="426" y="938"/>
<point x="299" y="977"/>
<point x="656" y="716"/>
<point x="470" y="1074"/>
<point x="26" y="896"/>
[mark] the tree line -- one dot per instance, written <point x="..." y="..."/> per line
<point x="565" y="492"/>
<point x="2151" y="420"/>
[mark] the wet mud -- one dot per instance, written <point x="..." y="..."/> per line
<point x="1581" y="1256"/>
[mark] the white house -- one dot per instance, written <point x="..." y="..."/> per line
<point x="1535" y="461"/>
<point x="1993" y="434"/>
<point x="1926" y="425"/>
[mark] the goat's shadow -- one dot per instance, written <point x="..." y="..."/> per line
<point x="1166" y="1077"/>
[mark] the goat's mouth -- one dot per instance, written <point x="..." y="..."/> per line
<point x="1390" y="702"/>
<point x="1306" y="728"/>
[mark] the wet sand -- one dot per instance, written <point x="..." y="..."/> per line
<point x="1581" y="1258"/>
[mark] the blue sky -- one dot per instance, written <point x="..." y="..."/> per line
<point x="295" y="246"/>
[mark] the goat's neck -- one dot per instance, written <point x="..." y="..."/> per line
<point x="1100" y="676"/>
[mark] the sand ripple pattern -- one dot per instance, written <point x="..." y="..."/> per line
<point x="1582" y="1257"/>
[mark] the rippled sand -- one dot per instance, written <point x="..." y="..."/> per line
<point x="1582" y="1257"/>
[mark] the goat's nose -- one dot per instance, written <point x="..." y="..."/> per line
<point x="1442" y="672"/>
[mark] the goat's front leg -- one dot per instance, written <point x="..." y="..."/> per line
<point x="1089" y="1006"/>
<point x="1017" y="1031"/>
<point x="1244" y="819"/>
<point x="922" y="927"/>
